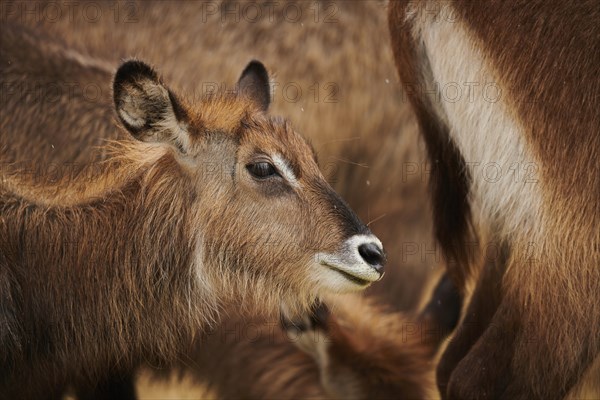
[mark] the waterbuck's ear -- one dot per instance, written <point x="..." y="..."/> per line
<point x="254" y="84"/>
<point x="146" y="107"/>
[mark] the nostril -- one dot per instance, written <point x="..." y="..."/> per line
<point x="373" y="255"/>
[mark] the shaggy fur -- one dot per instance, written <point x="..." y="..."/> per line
<point x="361" y="349"/>
<point x="536" y="334"/>
<point x="364" y="130"/>
<point x="373" y="160"/>
<point x="90" y="263"/>
<point x="364" y="351"/>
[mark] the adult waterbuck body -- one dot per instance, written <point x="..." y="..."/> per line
<point x="529" y="74"/>
<point x="124" y="263"/>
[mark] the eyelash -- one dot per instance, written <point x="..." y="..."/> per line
<point x="262" y="170"/>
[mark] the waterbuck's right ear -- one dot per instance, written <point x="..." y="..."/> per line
<point x="146" y="107"/>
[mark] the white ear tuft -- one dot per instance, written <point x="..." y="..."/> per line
<point x="132" y="114"/>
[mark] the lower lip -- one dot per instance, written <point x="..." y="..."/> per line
<point x="351" y="278"/>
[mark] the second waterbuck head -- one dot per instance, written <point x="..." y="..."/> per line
<point x="263" y="214"/>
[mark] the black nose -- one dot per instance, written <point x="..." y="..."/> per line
<point x="372" y="253"/>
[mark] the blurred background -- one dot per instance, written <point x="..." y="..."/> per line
<point x="333" y="77"/>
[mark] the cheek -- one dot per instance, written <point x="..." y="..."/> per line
<point x="258" y="232"/>
<point x="307" y="227"/>
<point x="265" y="233"/>
<point x="284" y="234"/>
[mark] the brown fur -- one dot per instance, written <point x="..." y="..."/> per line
<point x="374" y="159"/>
<point x="89" y="264"/>
<point x="340" y="131"/>
<point x="377" y="356"/>
<point x="366" y="352"/>
<point x="541" y="332"/>
<point x="70" y="96"/>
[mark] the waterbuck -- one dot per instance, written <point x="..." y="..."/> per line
<point x="364" y="351"/>
<point x="124" y="263"/>
<point x="353" y="348"/>
<point x="506" y="95"/>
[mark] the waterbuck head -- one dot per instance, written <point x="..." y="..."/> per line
<point x="264" y="217"/>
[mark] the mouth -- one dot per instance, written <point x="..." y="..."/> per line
<point x="352" y="278"/>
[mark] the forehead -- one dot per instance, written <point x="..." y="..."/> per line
<point x="242" y="122"/>
<point x="276" y="136"/>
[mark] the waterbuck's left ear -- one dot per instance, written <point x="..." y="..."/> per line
<point x="254" y="84"/>
<point x="146" y="107"/>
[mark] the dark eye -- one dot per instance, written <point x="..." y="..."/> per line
<point x="261" y="170"/>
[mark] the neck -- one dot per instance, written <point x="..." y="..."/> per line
<point x="115" y="271"/>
